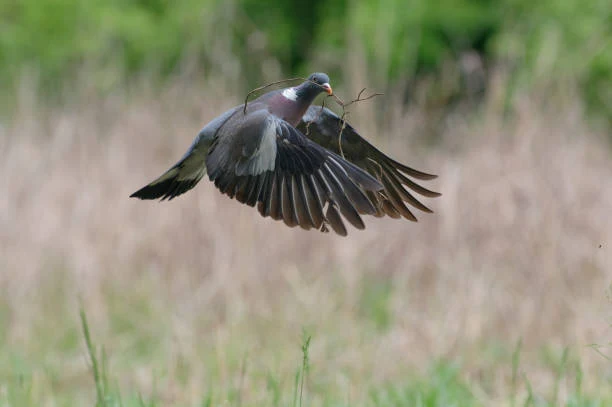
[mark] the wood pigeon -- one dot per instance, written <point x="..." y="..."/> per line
<point x="284" y="155"/>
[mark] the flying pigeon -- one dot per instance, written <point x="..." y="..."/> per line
<point x="298" y="163"/>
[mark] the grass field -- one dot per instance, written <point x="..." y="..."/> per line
<point x="500" y="298"/>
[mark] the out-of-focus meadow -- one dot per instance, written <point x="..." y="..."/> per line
<point x="501" y="297"/>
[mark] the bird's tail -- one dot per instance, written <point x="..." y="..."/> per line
<point x="172" y="183"/>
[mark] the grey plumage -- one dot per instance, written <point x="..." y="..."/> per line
<point x="326" y="129"/>
<point x="283" y="156"/>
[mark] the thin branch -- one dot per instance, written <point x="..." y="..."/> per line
<point x="358" y="99"/>
<point x="246" y="100"/>
<point x="339" y="101"/>
<point x="343" y="118"/>
<point x="299" y="78"/>
<point x="344" y="113"/>
<point x="316" y="118"/>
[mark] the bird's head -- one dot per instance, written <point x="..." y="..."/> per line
<point x="318" y="81"/>
<point x="308" y="90"/>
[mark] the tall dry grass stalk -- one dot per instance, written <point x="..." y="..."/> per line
<point x="520" y="245"/>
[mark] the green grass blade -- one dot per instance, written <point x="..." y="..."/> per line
<point x="94" y="360"/>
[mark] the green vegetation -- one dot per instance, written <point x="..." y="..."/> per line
<point x="547" y="44"/>
<point x="497" y="299"/>
<point x="493" y="300"/>
<point x="443" y="384"/>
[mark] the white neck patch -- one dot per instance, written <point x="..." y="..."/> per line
<point x="290" y="94"/>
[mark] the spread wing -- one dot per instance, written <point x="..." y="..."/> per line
<point x="189" y="170"/>
<point x="325" y="127"/>
<point x="261" y="159"/>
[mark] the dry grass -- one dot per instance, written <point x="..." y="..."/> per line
<point x="183" y="293"/>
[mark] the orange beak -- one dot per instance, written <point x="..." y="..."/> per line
<point x="327" y="88"/>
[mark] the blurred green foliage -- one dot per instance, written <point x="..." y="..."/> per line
<point x="542" y="43"/>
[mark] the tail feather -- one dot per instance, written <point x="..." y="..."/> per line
<point x="168" y="186"/>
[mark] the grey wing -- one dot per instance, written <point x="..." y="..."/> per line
<point x="189" y="170"/>
<point x="325" y="128"/>
<point x="262" y="160"/>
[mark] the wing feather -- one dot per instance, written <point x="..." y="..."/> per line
<point x="324" y="127"/>
<point x="263" y="160"/>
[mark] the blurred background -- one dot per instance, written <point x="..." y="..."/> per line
<point x="501" y="297"/>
